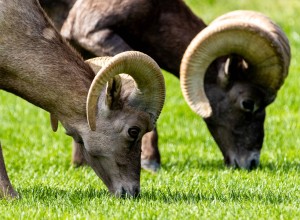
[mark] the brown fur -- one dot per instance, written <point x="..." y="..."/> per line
<point x="163" y="29"/>
<point x="37" y="64"/>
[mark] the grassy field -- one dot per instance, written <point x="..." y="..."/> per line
<point x="193" y="182"/>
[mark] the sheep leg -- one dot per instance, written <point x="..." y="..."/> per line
<point x="7" y="191"/>
<point x="77" y="155"/>
<point x="150" y="158"/>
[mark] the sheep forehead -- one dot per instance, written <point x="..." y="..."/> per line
<point x="131" y="116"/>
<point x="114" y="129"/>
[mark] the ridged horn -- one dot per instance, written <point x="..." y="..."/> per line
<point x="249" y="34"/>
<point x="97" y="63"/>
<point x="150" y="92"/>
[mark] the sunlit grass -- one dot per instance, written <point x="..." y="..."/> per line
<point x="192" y="184"/>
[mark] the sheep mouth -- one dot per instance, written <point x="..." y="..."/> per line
<point x="251" y="163"/>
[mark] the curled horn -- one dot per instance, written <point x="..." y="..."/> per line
<point x="249" y="34"/>
<point x="147" y="75"/>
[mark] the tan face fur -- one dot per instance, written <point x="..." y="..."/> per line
<point x="113" y="150"/>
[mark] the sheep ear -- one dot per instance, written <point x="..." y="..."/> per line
<point x="232" y="69"/>
<point x="113" y="93"/>
<point x="223" y="75"/>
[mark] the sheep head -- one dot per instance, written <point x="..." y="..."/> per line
<point x="124" y="102"/>
<point x="229" y="73"/>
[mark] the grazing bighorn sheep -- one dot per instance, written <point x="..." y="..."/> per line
<point x="106" y="114"/>
<point x="235" y="77"/>
<point x="142" y="26"/>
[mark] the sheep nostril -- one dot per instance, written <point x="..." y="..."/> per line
<point x="248" y="105"/>
<point x="253" y="164"/>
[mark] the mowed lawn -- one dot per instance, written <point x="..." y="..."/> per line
<point x="193" y="182"/>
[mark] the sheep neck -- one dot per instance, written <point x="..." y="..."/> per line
<point x="38" y="65"/>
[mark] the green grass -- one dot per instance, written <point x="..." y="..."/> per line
<point x="192" y="184"/>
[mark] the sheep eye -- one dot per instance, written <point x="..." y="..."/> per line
<point x="134" y="132"/>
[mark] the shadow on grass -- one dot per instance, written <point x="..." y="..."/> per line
<point x="235" y="195"/>
<point x="217" y="165"/>
<point x="45" y="194"/>
<point x="77" y="198"/>
<point x="207" y="165"/>
<point x="286" y="166"/>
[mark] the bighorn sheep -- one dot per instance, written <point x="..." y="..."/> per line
<point x="230" y="72"/>
<point x="106" y="114"/>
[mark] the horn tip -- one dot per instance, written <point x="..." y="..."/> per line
<point x="92" y="123"/>
<point x="204" y="110"/>
<point x="92" y="126"/>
